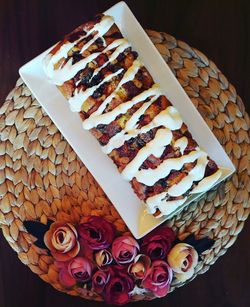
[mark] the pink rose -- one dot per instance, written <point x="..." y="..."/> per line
<point x="61" y="240"/>
<point x="119" y="286"/>
<point x="97" y="233"/>
<point x="124" y="249"/>
<point x="158" y="243"/>
<point x="158" y="278"/>
<point x="138" y="269"/>
<point x="78" y="269"/>
<point x="183" y="258"/>
<point x="99" y="280"/>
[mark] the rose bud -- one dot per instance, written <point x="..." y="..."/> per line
<point x="158" y="243"/>
<point x="61" y="240"/>
<point x="103" y="257"/>
<point x="124" y="249"/>
<point x="97" y="233"/>
<point x="99" y="280"/>
<point x="139" y="268"/>
<point x="158" y="278"/>
<point x="183" y="258"/>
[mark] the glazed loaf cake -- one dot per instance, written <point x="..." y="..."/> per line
<point x="104" y="80"/>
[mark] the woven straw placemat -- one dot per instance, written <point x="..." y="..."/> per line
<point x="41" y="177"/>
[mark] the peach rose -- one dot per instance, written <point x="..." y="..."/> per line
<point x="183" y="258"/>
<point x="139" y="267"/>
<point x="103" y="258"/>
<point x="61" y="240"/>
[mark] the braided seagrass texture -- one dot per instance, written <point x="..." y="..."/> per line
<point x="41" y="177"/>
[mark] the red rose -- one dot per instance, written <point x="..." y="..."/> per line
<point x="99" y="280"/>
<point x="119" y="286"/>
<point x="97" y="233"/>
<point x="158" y="243"/>
<point x="158" y="278"/>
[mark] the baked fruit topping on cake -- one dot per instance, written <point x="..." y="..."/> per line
<point x="104" y="80"/>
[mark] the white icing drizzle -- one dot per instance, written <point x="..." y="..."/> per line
<point x="170" y="206"/>
<point x="78" y="82"/>
<point x="132" y="122"/>
<point x="108" y="117"/>
<point x="165" y="206"/>
<point x="155" y="147"/>
<point x="162" y="119"/>
<point x="128" y="76"/>
<point x="196" y="174"/>
<point x="206" y="183"/>
<point x="121" y="45"/>
<point x="68" y="71"/>
<point x="78" y="99"/>
<point x="181" y="143"/>
<point x="117" y="141"/>
<point x="129" y="130"/>
<point x="101" y="27"/>
<point x="169" y="118"/>
<point x="103" y="41"/>
<point x="151" y="176"/>
<point x="50" y="60"/>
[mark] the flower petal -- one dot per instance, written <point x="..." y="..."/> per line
<point x="66" y="279"/>
<point x="184" y="276"/>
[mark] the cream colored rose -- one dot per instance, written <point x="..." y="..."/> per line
<point x="183" y="258"/>
<point x="103" y="257"/>
<point x="140" y="266"/>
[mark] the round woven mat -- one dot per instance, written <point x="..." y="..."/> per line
<point x="41" y="177"/>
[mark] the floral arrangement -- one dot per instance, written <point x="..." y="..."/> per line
<point x="94" y="256"/>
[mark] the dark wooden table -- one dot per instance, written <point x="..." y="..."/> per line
<point x="221" y="29"/>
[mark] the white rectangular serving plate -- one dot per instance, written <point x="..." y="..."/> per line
<point x="87" y="147"/>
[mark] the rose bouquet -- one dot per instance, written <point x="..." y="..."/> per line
<point x="93" y="256"/>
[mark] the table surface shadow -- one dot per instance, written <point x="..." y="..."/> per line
<point x="221" y="30"/>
